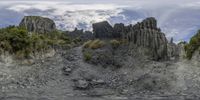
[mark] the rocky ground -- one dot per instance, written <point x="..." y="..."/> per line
<point x="66" y="76"/>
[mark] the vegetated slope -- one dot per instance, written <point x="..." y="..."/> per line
<point x="17" y="40"/>
<point x="193" y="45"/>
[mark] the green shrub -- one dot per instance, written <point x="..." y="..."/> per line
<point x="76" y="40"/>
<point x="193" y="45"/>
<point x="87" y="56"/>
<point x="114" y="43"/>
<point x="18" y="41"/>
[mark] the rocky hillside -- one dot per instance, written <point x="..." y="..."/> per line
<point x="144" y="34"/>
<point x="25" y="42"/>
<point x="134" y="62"/>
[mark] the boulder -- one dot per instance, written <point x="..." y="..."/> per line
<point x="38" y="24"/>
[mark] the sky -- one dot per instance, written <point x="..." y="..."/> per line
<point x="179" y="19"/>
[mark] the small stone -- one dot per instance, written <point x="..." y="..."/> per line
<point x="81" y="84"/>
<point x="67" y="70"/>
<point x="97" y="81"/>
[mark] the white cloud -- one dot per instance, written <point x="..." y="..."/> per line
<point x="177" y="18"/>
<point x="69" y="15"/>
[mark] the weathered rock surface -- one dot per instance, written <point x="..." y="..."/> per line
<point x="81" y="84"/>
<point x="83" y="35"/>
<point x="38" y="24"/>
<point x="181" y="50"/>
<point x="136" y="79"/>
<point x="146" y="34"/>
<point x="173" y="50"/>
<point x="102" y="30"/>
<point x="67" y="70"/>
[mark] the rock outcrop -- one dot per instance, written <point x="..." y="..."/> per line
<point x="121" y="30"/>
<point x="173" y="50"/>
<point x="181" y="50"/>
<point x="145" y="34"/>
<point x="38" y="24"/>
<point x="103" y="30"/>
<point x="148" y="35"/>
<point x="83" y="35"/>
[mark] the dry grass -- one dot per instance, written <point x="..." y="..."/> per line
<point x="115" y="43"/>
<point x="94" y="44"/>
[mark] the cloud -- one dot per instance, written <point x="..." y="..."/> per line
<point x="177" y="18"/>
<point x="69" y="15"/>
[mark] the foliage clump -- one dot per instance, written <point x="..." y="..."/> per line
<point x="94" y="44"/>
<point x="193" y="45"/>
<point x="115" y="43"/>
<point x="20" y="42"/>
<point x="87" y="56"/>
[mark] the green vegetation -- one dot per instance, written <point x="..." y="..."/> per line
<point x="87" y="56"/>
<point x="193" y="45"/>
<point x="94" y="44"/>
<point x="76" y="40"/>
<point x="18" y="41"/>
<point x="87" y="44"/>
<point x="114" y="43"/>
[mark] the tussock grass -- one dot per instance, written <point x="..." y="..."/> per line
<point x="94" y="44"/>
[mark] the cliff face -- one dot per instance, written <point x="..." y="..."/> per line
<point x="38" y="24"/>
<point x="145" y="34"/>
<point x="103" y="30"/>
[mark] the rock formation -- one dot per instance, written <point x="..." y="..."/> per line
<point x="119" y="30"/>
<point x="83" y="35"/>
<point x="38" y="24"/>
<point x="181" y="50"/>
<point x="173" y="50"/>
<point x="102" y="30"/>
<point x="145" y="34"/>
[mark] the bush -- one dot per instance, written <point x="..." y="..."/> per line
<point x="97" y="44"/>
<point x="94" y="44"/>
<point x="18" y="41"/>
<point x="115" y="43"/>
<point x="193" y="45"/>
<point x="87" y="56"/>
<point x="76" y="40"/>
<point x="87" y="44"/>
